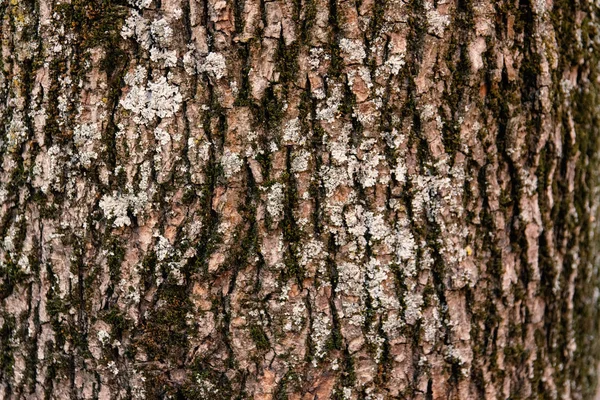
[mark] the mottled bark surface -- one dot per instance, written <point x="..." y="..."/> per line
<point x="298" y="199"/>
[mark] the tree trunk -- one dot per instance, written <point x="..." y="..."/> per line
<point x="308" y="199"/>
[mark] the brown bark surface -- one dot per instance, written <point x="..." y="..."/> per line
<point x="299" y="199"/>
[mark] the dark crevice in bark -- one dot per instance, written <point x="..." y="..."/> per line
<point x="459" y="87"/>
<point x="336" y="339"/>
<point x="291" y="235"/>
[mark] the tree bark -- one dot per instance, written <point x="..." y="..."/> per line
<point x="308" y="199"/>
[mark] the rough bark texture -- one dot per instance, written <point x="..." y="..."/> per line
<point x="298" y="199"/>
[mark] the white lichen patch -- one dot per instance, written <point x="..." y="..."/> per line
<point x="376" y="342"/>
<point x="112" y="367"/>
<point x="315" y="56"/>
<point x="413" y="303"/>
<point x="3" y="194"/>
<point x="163" y="248"/>
<point x="190" y="63"/>
<point x="429" y="194"/>
<point x="9" y="239"/>
<point x="405" y="244"/>
<point x="378" y="227"/>
<point x="395" y="63"/>
<point x="351" y="278"/>
<point x="161" y="32"/>
<point x="275" y="196"/>
<point x="155" y="99"/>
<point x="206" y="388"/>
<point x="400" y="171"/>
<point x="168" y="57"/>
<point x="16" y="134"/>
<point x="354" y="49"/>
<point x="145" y="171"/>
<point x="85" y="136"/>
<point x="103" y="336"/>
<point x="138" y="28"/>
<point x="154" y="36"/>
<point x="231" y="163"/>
<point x="165" y="99"/>
<point x="347" y="393"/>
<point x="292" y="132"/>
<point x="313" y="252"/>
<point x="328" y="111"/>
<point x="140" y="3"/>
<point x="300" y="161"/>
<point x="321" y="330"/>
<point x="377" y="273"/>
<point x="432" y="325"/>
<point x="394" y="139"/>
<point x="456" y="356"/>
<point x="436" y="22"/>
<point x="24" y="264"/>
<point x="355" y="221"/>
<point x="85" y="133"/>
<point x="213" y="64"/>
<point x="368" y="172"/>
<point x="296" y="318"/>
<point x="162" y="137"/>
<point x="333" y="177"/>
<point x="204" y="151"/>
<point x="117" y="206"/>
<point x="48" y="169"/>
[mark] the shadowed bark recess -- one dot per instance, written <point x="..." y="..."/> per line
<point x="299" y="199"/>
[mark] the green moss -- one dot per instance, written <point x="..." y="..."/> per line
<point x="115" y="69"/>
<point x="289" y="381"/>
<point x="189" y="195"/>
<point x="269" y="113"/>
<point x="286" y="60"/>
<point x="309" y="10"/>
<point x="386" y="360"/>
<point x="376" y="23"/>
<point x="494" y="265"/>
<point x="7" y="360"/>
<point x="208" y="382"/>
<point x="95" y="24"/>
<point x="336" y="63"/>
<point x="238" y="15"/>
<point x="243" y="96"/>
<point x="98" y="22"/>
<point x="55" y="307"/>
<point x="291" y="232"/>
<point x="369" y="312"/>
<point x="116" y="254"/>
<point x="117" y="320"/>
<point x="458" y="90"/>
<point x="584" y="151"/>
<point x="347" y="377"/>
<point x="31" y="352"/>
<point x="417" y="21"/>
<point x="259" y="337"/>
<point x="11" y="276"/>
<point x="165" y="332"/>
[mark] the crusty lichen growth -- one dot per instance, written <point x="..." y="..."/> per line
<point x="283" y="199"/>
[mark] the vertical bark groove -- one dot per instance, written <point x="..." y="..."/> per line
<point x="299" y="199"/>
